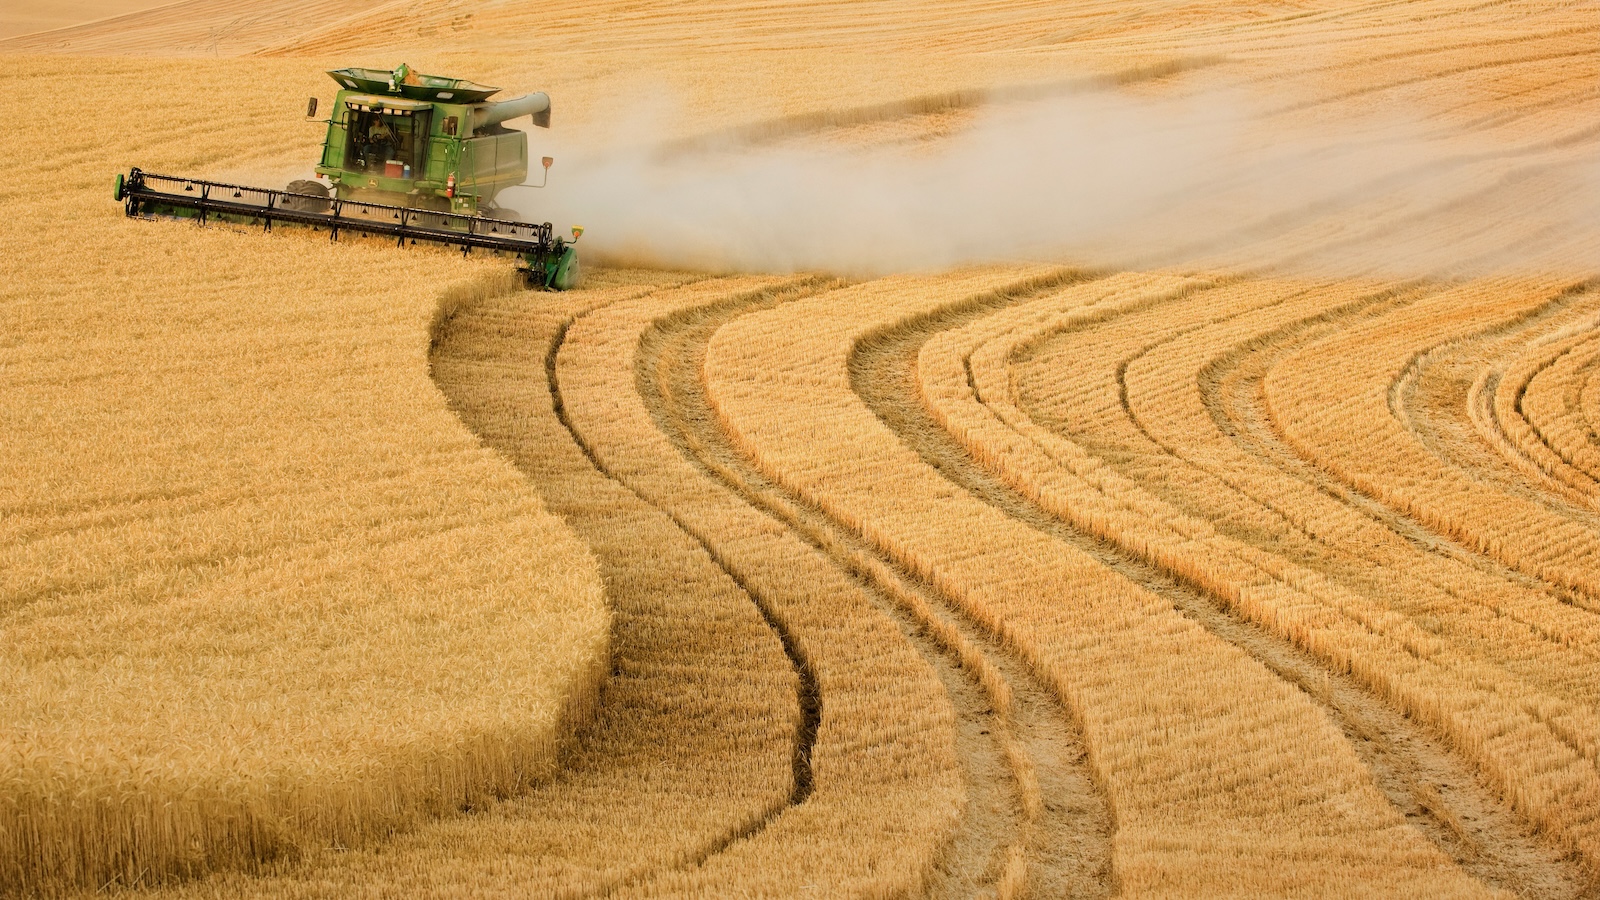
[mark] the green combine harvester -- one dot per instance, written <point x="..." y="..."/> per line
<point x="409" y="156"/>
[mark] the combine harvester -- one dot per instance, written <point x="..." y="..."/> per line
<point x="408" y="156"/>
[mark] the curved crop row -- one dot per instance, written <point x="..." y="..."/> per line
<point x="1315" y="410"/>
<point x="1142" y="369"/>
<point x="1475" y="381"/>
<point x="1529" y="410"/>
<point x="1204" y="754"/>
<point x="1034" y="823"/>
<point x="884" y="795"/>
<point x="693" y="745"/>
<point x="1551" y="404"/>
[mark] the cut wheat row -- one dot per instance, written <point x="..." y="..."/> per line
<point x="1175" y="392"/>
<point x="1163" y="502"/>
<point x="1459" y="400"/>
<point x="1134" y="391"/>
<point x="1046" y="833"/>
<point x="1314" y="411"/>
<point x="1183" y="730"/>
<point x="1528" y="409"/>
<point x="1552" y="406"/>
<point x="967" y="380"/>
<point x="883" y="763"/>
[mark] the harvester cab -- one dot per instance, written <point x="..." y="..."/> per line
<point x="425" y="142"/>
<point x="409" y="156"/>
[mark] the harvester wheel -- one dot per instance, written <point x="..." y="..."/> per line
<point x="502" y="214"/>
<point x="306" y="196"/>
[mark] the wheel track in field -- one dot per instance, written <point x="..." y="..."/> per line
<point x="1010" y="722"/>
<point x="808" y="696"/>
<point x="645" y="657"/>
<point x="1503" y="848"/>
<point x="1232" y="389"/>
<point x="1426" y="394"/>
<point x="1582" y="357"/>
<point x="1239" y="414"/>
<point x="1436" y="791"/>
<point x="1582" y="461"/>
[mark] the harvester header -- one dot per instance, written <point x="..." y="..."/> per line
<point x="428" y="152"/>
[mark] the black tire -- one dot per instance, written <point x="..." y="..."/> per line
<point x="502" y="214"/>
<point x="305" y="195"/>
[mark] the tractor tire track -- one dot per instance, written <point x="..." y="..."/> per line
<point x="655" y="633"/>
<point x="1047" y="832"/>
<point x="1435" y="791"/>
<point x="1434" y="383"/>
<point x="808" y="696"/>
<point x="1581" y="459"/>
<point x="1232" y="387"/>
<point x="1566" y="433"/>
<point x="1217" y="371"/>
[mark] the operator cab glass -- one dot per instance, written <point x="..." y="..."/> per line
<point x="386" y="142"/>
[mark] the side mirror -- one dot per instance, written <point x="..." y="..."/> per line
<point x="548" y="161"/>
<point x="311" y="108"/>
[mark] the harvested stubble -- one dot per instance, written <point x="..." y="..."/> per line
<point x="1034" y="822"/>
<point x="1221" y="777"/>
<point x="884" y="794"/>
<point x="1522" y="714"/>
<point x="1523" y="409"/>
<point x="664" y="776"/>
<point x="1542" y="392"/>
<point x="259" y="591"/>
<point x="1315" y="411"/>
<point x="1484" y="374"/>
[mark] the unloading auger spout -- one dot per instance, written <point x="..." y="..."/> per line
<point x="409" y="156"/>
<point x="536" y="105"/>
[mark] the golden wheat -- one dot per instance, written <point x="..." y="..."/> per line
<point x="247" y="555"/>
<point x="882" y="766"/>
<point x="1528" y="411"/>
<point x="259" y="591"/>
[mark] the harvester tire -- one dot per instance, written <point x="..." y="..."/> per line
<point x="306" y="195"/>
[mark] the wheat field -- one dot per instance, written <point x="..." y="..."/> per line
<point x="1002" y="448"/>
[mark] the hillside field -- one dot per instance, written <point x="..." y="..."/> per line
<point x="1000" y="449"/>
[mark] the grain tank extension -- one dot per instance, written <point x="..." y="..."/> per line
<point x="406" y="155"/>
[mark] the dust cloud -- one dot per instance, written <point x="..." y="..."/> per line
<point x="1097" y="178"/>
